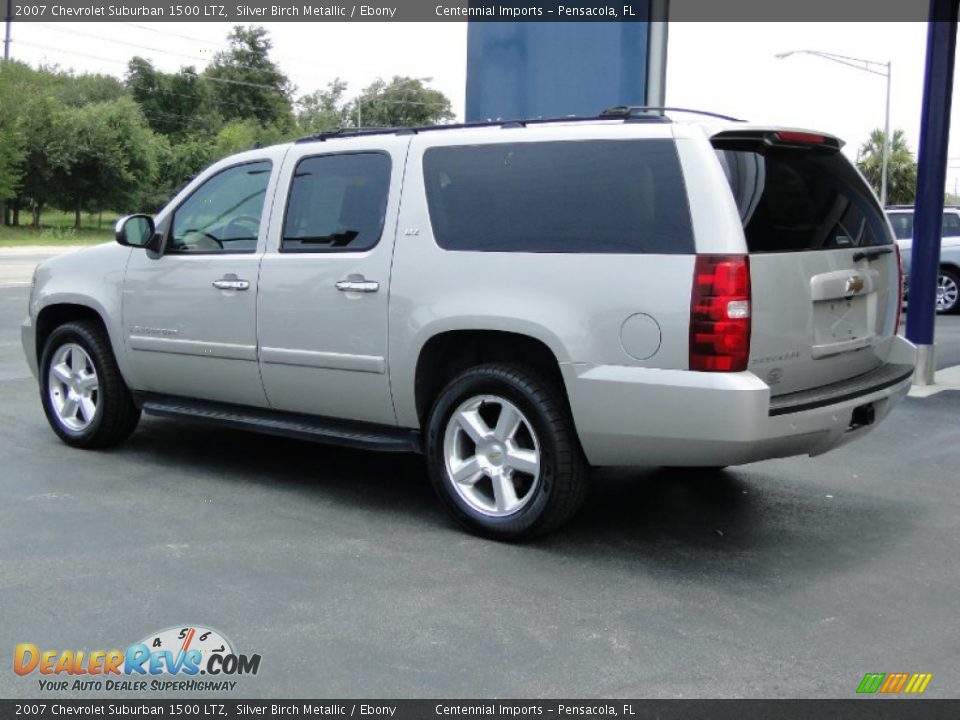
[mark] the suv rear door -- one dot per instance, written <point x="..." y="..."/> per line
<point x="824" y="273"/>
<point x="325" y="279"/>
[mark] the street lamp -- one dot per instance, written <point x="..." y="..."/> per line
<point x="882" y="69"/>
<point x="405" y="82"/>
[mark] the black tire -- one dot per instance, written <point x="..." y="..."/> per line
<point x="563" y="475"/>
<point x="949" y="275"/>
<point x="116" y="415"/>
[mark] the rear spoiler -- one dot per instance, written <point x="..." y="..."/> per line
<point x="800" y="139"/>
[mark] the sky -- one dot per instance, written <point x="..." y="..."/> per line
<point x="722" y="67"/>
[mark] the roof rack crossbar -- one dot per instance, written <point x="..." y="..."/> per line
<point x="511" y="123"/>
<point x="628" y="111"/>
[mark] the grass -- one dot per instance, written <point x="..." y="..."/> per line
<point x="57" y="229"/>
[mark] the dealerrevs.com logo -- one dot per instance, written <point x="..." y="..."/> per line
<point x="169" y="660"/>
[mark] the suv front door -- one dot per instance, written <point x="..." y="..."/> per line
<point x="189" y="314"/>
<point x="325" y="281"/>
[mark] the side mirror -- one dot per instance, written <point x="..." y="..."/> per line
<point x="135" y="230"/>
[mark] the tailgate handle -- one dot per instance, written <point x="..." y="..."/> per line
<point x="871" y="254"/>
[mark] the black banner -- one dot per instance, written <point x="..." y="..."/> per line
<point x="466" y="10"/>
<point x="476" y="709"/>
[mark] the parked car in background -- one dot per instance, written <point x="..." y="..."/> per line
<point x="948" y="279"/>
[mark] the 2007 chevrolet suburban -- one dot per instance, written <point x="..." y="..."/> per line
<point x="519" y="301"/>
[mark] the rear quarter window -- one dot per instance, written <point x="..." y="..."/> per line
<point x="559" y="197"/>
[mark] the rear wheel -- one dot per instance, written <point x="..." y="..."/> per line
<point x="503" y="454"/>
<point x="948" y="291"/>
<point x="84" y="397"/>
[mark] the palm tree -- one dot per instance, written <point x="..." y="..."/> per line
<point x="901" y="166"/>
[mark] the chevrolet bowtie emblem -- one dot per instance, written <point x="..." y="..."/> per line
<point x="854" y="285"/>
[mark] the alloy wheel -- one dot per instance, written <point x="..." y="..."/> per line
<point x="73" y="386"/>
<point x="492" y="455"/>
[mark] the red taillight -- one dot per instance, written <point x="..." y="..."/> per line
<point x="720" y="313"/>
<point x="899" y="305"/>
<point x="799" y="138"/>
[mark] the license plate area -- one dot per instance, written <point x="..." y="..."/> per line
<point x="841" y="325"/>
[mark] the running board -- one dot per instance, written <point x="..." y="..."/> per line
<point x="347" y="433"/>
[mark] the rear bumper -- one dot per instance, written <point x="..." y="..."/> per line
<point x="640" y="416"/>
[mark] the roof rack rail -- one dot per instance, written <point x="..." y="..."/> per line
<point x="639" y="111"/>
<point x="506" y="124"/>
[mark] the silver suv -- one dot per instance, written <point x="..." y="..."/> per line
<point x="948" y="276"/>
<point x="517" y="301"/>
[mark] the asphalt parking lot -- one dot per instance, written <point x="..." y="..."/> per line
<point x="788" y="578"/>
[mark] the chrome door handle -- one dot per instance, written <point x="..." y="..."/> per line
<point x="225" y="284"/>
<point x="364" y="286"/>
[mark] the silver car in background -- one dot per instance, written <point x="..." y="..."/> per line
<point x="948" y="278"/>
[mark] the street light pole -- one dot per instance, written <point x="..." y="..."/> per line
<point x="883" y="69"/>
<point x="6" y="39"/>
<point x="405" y="82"/>
<point x="886" y="144"/>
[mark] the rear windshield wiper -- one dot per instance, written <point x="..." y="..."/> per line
<point x="872" y="254"/>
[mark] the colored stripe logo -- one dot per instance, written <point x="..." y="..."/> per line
<point x="894" y="683"/>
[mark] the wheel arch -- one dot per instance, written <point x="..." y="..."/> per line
<point x="52" y="316"/>
<point x="448" y="353"/>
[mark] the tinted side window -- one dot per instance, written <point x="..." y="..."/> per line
<point x="792" y="200"/>
<point x="560" y="197"/>
<point x="951" y="225"/>
<point x="902" y="225"/>
<point x="337" y="203"/>
<point x="223" y="214"/>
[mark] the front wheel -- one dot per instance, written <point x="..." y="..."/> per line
<point x="503" y="454"/>
<point x="948" y="291"/>
<point x="84" y="397"/>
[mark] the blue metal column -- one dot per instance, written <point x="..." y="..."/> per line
<point x="553" y="69"/>
<point x="931" y="178"/>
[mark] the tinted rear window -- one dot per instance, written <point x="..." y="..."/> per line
<point x="951" y="225"/>
<point x="337" y="203"/>
<point x="559" y="197"/>
<point x="902" y="225"/>
<point x="792" y="200"/>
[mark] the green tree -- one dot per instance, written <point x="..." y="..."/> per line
<point x="49" y="154"/>
<point x="12" y="137"/>
<point x="77" y="90"/>
<point x="177" y="163"/>
<point x="324" y="109"/>
<point x="175" y="104"/>
<point x="402" y="102"/>
<point x="115" y="158"/>
<point x="901" y="166"/>
<point x="246" y="83"/>
<point x="241" y="135"/>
